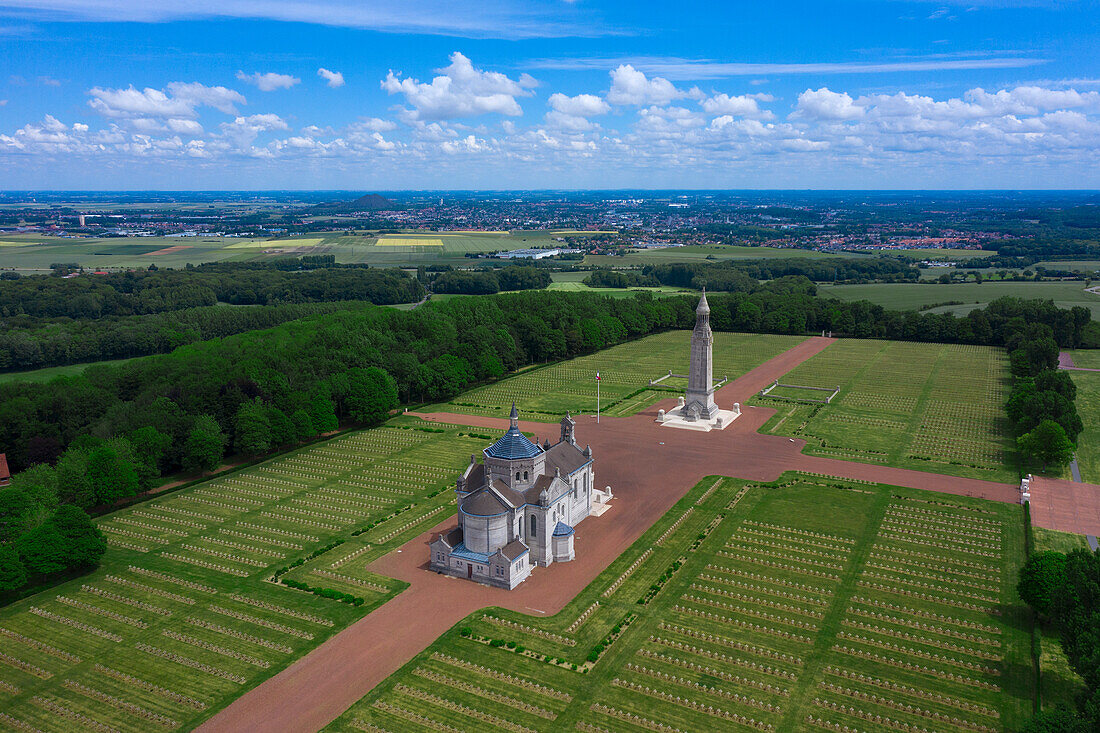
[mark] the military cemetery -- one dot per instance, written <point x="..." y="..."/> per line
<point x="414" y="366"/>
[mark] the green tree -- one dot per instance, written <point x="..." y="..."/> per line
<point x="149" y="447"/>
<point x="1075" y="609"/>
<point x="251" y="428"/>
<point x="1041" y="576"/>
<point x="39" y="484"/>
<point x="303" y="425"/>
<point x="12" y="573"/>
<point x="1047" y="443"/>
<point x="282" y="429"/>
<point x="205" y="445"/>
<point x="111" y="474"/>
<point x="73" y="484"/>
<point x="1058" y="720"/>
<point x="371" y="394"/>
<point x="84" y="543"/>
<point x="322" y="412"/>
<point x="15" y="508"/>
<point x="42" y="550"/>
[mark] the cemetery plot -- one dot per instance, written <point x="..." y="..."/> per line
<point x="925" y="406"/>
<point x="803" y="605"/>
<point x="625" y="372"/>
<point x="182" y="618"/>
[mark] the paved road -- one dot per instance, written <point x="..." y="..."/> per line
<point x="649" y="468"/>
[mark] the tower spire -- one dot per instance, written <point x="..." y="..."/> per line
<point x="514" y="417"/>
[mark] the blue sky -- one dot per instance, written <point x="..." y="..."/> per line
<point x="497" y="94"/>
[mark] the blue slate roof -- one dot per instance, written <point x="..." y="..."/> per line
<point x="512" y="445"/>
<point x="562" y="530"/>
<point x="467" y="554"/>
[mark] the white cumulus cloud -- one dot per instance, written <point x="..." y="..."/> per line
<point x="824" y="104"/>
<point x="332" y="78"/>
<point x="631" y="87"/>
<point x="269" y="81"/>
<point x="460" y="90"/>
<point x="582" y="105"/>
<point x="738" y="106"/>
<point x="178" y="100"/>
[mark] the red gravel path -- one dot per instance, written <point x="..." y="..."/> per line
<point x="649" y="468"/>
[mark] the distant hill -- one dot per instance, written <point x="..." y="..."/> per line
<point x="369" y="202"/>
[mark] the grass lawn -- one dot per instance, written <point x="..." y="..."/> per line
<point x="1052" y="539"/>
<point x="180" y="618"/>
<point x="930" y="407"/>
<point x="739" y="608"/>
<point x="546" y="393"/>
<point x="1087" y="358"/>
<point x="1088" y="405"/>
<point x="918" y="296"/>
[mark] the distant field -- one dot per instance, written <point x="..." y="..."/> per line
<point x="1082" y="265"/>
<point x="941" y="254"/>
<point x="799" y="606"/>
<point x="624" y="369"/>
<point x="695" y="253"/>
<point x="37" y="253"/>
<point x="914" y="296"/>
<point x="929" y="407"/>
<point x="392" y="240"/>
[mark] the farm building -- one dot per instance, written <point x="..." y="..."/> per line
<point x="518" y="508"/>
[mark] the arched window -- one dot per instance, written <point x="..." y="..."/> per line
<point x="517" y="475"/>
<point x="524" y="475"/>
<point x="534" y="525"/>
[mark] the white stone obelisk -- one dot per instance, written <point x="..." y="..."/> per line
<point x="699" y="398"/>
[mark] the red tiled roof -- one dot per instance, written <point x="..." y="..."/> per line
<point x="5" y="475"/>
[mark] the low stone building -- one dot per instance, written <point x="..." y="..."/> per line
<point x="517" y="509"/>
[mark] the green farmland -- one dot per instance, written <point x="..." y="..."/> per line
<point x="919" y="296"/>
<point x="930" y="407"/>
<point x="37" y="253"/>
<point x="546" y="393"/>
<point x="880" y="609"/>
<point x="1088" y="405"/>
<point x="179" y="620"/>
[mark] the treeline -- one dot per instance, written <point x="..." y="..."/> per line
<point x="488" y="282"/>
<point x="743" y="276"/>
<point x="82" y="341"/>
<point x="30" y="299"/>
<point x="301" y="367"/>
<point x="1062" y="589"/>
<point x="1041" y="405"/>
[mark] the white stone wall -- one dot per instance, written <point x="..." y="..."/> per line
<point x="485" y="534"/>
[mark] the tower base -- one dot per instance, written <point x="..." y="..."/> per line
<point x="720" y="420"/>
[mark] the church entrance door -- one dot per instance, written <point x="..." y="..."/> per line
<point x="469" y="570"/>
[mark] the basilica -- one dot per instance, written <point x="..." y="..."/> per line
<point x="517" y="509"/>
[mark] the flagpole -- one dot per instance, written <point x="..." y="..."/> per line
<point x="597" y="398"/>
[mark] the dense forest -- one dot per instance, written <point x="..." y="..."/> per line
<point x="52" y="321"/>
<point x="738" y="276"/>
<point x="158" y="291"/>
<point x="489" y="281"/>
<point x="55" y="343"/>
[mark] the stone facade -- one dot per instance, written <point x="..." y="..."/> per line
<point x="517" y="509"/>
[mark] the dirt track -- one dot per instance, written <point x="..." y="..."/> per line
<point x="628" y="453"/>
